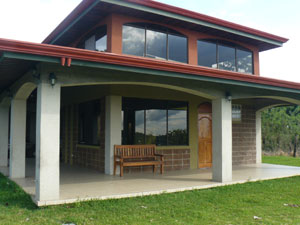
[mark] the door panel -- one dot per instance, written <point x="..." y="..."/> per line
<point x="204" y="137"/>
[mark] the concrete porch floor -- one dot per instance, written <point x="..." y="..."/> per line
<point x="80" y="184"/>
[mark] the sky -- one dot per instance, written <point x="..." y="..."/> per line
<point x="33" y="20"/>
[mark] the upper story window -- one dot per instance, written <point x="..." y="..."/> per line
<point x="154" y="41"/>
<point x="96" y="40"/>
<point x="224" y="55"/>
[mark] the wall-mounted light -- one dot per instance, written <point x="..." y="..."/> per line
<point x="52" y="79"/>
<point x="228" y="97"/>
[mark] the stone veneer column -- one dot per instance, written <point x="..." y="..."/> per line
<point x="258" y="137"/>
<point x="4" y="117"/>
<point x="113" y="127"/>
<point x="47" y="140"/>
<point x="222" y="140"/>
<point x="17" y="138"/>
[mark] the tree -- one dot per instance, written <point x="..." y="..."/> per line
<point x="281" y="129"/>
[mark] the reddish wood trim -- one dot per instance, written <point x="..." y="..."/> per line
<point x="132" y="61"/>
<point x="205" y="108"/>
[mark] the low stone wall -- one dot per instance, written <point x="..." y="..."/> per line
<point x="175" y="159"/>
<point x="244" y="138"/>
<point x="89" y="156"/>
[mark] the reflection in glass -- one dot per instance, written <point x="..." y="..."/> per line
<point x="177" y="127"/>
<point x="207" y="54"/>
<point x="101" y="43"/>
<point x="139" y="136"/>
<point x="133" y="40"/>
<point x="177" y="48"/>
<point x="89" y="123"/>
<point x="156" y="127"/>
<point x="226" y="58"/>
<point x="156" y="44"/>
<point x="244" y="61"/>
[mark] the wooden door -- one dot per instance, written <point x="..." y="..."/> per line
<point x="204" y="136"/>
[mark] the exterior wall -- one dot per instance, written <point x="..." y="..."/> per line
<point x="176" y="157"/>
<point x="244" y="138"/>
<point x="74" y="153"/>
<point x="115" y="36"/>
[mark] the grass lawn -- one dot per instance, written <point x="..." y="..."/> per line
<point x="273" y="201"/>
<point x="281" y="160"/>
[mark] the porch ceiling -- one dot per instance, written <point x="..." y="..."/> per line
<point x="19" y="57"/>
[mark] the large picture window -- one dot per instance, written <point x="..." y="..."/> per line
<point x="224" y="55"/>
<point x="89" y="123"/>
<point x="147" y="121"/>
<point x="154" y="41"/>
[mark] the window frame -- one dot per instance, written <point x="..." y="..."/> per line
<point x="81" y="43"/>
<point x="231" y="45"/>
<point x="161" y="29"/>
<point x="167" y="108"/>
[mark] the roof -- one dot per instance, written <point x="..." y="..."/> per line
<point x="89" y="11"/>
<point x="26" y="52"/>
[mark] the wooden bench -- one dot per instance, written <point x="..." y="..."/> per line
<point x="137" y="155"/>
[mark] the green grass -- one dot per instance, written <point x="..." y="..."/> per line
<point x="281" y="160"/>
<point x="234" y="204"/>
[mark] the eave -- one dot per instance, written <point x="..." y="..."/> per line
<point x="262" y="39"/>
<point x="56" y="54"/>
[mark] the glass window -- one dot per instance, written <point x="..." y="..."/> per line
<point x="154" y="41"/>
<point x="244" y="61"/>
<point x="207" y="54"/>
<point x="177" y="48"/>
<point x="101" y="44"/>
<point x="139" y="136"/>
<point x="155" y="122"/>
<point x="96" y="41"/>
<point x="133" y="40"/>
<point x="156" y="126"/>
<point x="89" y="123"/>
<point x="156" y="44"/>
<point x="236" y="112"/>
<point x="224" y="55"/>
<point x="226" y="58"/>
<point x="177" y="124"/>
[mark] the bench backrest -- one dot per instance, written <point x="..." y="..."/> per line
<point x="135" y="150"/>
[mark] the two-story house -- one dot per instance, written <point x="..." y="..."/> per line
<point x="136" y="72"/>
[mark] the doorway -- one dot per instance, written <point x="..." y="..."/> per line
<point x="204" y="135"/>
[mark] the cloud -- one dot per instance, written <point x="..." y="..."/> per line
<point x="32" y="20"/>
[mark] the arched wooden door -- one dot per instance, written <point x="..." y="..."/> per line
<point x="204" y="135"/>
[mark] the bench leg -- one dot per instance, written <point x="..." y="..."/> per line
<point x="161" y="168"/>
<point x="154" y="168"/>
<point x="115" y="168"/>
<point x="121" y="170"/>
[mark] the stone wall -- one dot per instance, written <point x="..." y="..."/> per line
<point x="244" y="138"/>
<point x="175" y="159"/>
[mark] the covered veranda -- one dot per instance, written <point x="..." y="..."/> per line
<point x="52" y="182"/>
<point x="81" y="184"/>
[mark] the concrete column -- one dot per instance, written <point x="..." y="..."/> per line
<point x="222" y="140"/>
<point x="47" y="141"/>
<point x="17" y="138"/>
<point x="113" y="127"/>
<point x="258" y="137"/>
<point x="4" y="117"/>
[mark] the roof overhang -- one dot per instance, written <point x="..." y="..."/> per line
<point x="158" y="11"/>
<point x="32" y="52"/>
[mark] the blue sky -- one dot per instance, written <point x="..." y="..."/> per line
<point x="33" y="20"/>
